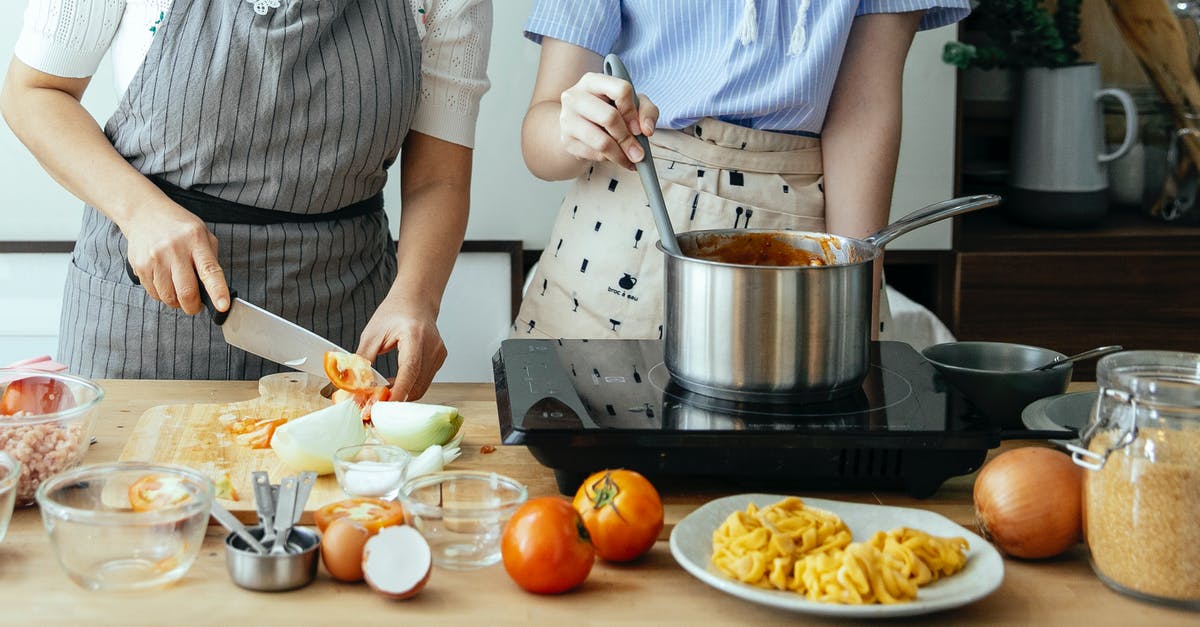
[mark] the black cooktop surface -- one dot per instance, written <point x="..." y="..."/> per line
<point x="583" y="405"/>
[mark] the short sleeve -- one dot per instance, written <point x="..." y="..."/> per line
<point x="68" y="37"/>
<point x="592" y="24"/>
<point x="937" y="12"/>
<point x="456" y="40"/>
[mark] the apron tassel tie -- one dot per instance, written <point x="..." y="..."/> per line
<point x="800" y="31"/>
<point x="747" y="30"/>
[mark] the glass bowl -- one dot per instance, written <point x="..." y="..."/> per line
<point x="10" y="471"/>
<point x="462" y="514"/>
<point x="53" y="428"/>
<point x="103" y="544"/>
<point x="373" y="470"/>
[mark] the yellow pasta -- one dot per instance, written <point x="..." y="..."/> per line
<point x="789" y="546"/>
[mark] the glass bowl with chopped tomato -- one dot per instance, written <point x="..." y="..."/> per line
<point x="126" y="525"/>
<point x="46" y="421"/>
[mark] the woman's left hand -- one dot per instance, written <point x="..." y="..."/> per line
<point x="411" y="330"/>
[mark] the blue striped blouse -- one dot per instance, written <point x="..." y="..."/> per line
<point x="766" y="64"/>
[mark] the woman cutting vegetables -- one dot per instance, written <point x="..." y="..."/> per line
<point x="762" y="114"/>
<point x="248" y="152"/>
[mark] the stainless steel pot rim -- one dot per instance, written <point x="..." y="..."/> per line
<point x="848" y="241"/>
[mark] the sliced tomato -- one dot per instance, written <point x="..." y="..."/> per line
<point x="363" y="398"/>
<point x="153" y="492"/>
<point x="374" y="514"/>
<point x="349" y="371"/>
<point x="260" y="436"/>
<point x="36" y="396"/>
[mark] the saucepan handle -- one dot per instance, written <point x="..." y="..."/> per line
<point x="218" y="317"/>
<point x="930" y="214"/>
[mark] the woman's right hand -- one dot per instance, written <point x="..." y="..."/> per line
<point x="169" y="248"/>
<point x="598" y="120"/>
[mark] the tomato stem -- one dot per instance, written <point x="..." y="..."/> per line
<point x="605" y="492"/>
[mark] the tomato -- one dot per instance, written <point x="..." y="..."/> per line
<point x="545" y="546"/>
<point x="363" y="398"/>
<point x="349" y="371"/>
<point x="36" y="395"/>
<point x="622" y="512"/>
<point x="152" y="492"/>
<point x="374" y="514"/>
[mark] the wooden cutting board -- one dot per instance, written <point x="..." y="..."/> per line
<point x="193" y="436"/>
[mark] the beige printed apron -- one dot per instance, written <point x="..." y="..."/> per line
<point x="601" y="276"/>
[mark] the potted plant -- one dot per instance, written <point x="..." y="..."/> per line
<point x="1058" y="173"/>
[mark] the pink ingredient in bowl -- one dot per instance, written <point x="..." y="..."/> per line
<point x="43" y="450"/>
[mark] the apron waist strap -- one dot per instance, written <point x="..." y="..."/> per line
<point x="218" y="210"/>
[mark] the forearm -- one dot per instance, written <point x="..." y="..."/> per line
<point x="860" y="141"/>
<point x="542" y="146"/>
<point x="72" y="148"/>
<point x="433" y="222"/>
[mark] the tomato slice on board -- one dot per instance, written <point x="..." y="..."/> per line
<point x="374" y="514"/>
<point x="36" y="396"/>
<point x="153" y="492"/>
<point x="349" y="371"/>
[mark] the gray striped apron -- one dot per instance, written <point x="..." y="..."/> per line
<point x="288" y="118"/>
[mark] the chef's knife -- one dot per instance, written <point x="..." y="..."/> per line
<point x="260" y="332"/>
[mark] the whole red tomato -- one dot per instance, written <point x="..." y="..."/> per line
<point x="622" y="512"/>
<point x="545" y="546"/>
<point x="36" y="395"/>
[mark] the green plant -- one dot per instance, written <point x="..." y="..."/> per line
<point x="1017" y="34"/>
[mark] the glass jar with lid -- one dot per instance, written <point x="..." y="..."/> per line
<point x="1141" y="492"/>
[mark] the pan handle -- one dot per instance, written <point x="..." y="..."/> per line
<point x="930" y="214"/>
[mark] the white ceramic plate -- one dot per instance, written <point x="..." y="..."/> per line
<point x="691" y="544"/>
<point x="1068" y="412"/>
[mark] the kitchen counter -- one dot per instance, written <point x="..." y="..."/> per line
<point x="653" y="589"/>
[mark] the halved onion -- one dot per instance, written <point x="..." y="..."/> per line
<point x="308" y="442"/>
<point x="415" y="426"/>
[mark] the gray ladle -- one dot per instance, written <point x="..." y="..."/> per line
<point x="1095" y="352"/>
<point x="613" y="67"/>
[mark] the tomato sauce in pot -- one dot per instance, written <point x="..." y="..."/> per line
<point x="761" y="249"/>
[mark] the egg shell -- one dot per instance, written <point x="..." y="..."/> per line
<point x="342" y="549"/>
<point x="391" y="558"/>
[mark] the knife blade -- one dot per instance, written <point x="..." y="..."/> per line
<point x="270" y="336"/>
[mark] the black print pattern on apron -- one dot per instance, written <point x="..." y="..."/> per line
<point x="300" y="110"/>
<point x="603" y="275"/>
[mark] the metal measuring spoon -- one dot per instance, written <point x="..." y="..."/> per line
<point x="615" y="68"/>
<point x="230" y="522"/>
<point x="1095" y="352"/>
<point x="264" y="504"/>
<point x="283" y="515"/>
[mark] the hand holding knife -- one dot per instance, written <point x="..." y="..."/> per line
<point x="260" y="332"/>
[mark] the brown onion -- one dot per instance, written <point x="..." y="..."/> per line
<point x="1028" y="502"/>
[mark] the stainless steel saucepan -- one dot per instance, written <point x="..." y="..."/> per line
<point x="737" y="327"/>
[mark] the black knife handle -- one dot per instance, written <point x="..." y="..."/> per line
<point x="218" y="317"/>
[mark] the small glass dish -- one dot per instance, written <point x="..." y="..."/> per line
<point x="103" y="544"/>
<point x="462" y="514"/>
<point x="372" y="470"/>
<point x="10" y="471"/>
<point x="53" y="427"/>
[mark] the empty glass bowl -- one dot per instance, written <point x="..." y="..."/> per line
<point x="10" y="471"/>
<point x="374" y="470"/>
<point x="104" y="544"/>
<point x="48" y="425"/>
<point x="462" y="514"/>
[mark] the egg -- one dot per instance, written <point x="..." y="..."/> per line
<point x="342" y="549"/>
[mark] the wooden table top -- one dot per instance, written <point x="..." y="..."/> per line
<point x="653" y="589"/>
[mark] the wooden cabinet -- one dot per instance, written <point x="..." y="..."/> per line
<point x="1132" y="281"/>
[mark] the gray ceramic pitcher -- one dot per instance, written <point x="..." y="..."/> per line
<point x="1058" y="173"/>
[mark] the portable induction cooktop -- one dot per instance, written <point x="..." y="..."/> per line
<point x="584" y="405"/>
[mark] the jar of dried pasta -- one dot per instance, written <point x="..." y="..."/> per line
<point x="1142" y="492"/>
